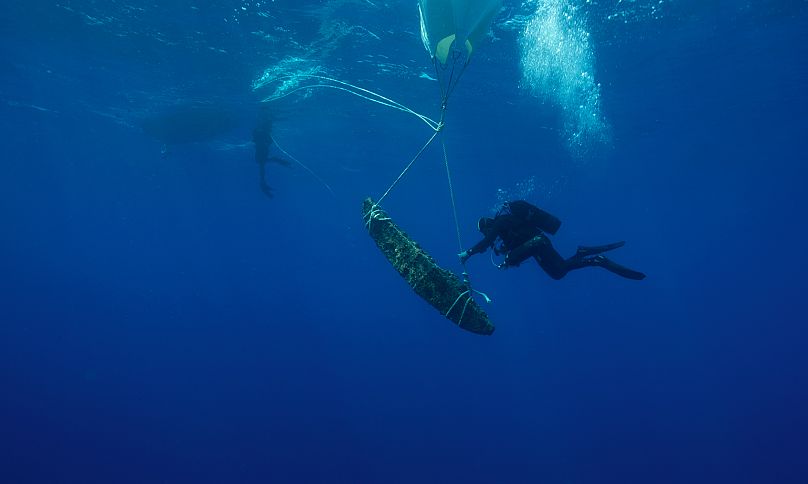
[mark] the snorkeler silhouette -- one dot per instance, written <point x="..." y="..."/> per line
<point x="262" y="137"/>
<point x="521" y="226"/>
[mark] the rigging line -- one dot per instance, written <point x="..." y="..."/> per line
<point x="468" y="297"/>
<point x="368" y="91"/>
<point x="466" y="279"/>
<point x="469" y="293"/>
<point x="429" y="122"/>
<point x="304" y="166"/>
<point x="451" y="193"/>
<point x="393" y="102"/>
<point x="462" y="70"/>
<point x="407" y="168"/>
<point x="449" y="88"/>
<point x="439" y="77"/>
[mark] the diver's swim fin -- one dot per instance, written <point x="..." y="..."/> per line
<point x="267" y="190"/>
<point x="616" y="268"/>
<point x="584" y="251"/>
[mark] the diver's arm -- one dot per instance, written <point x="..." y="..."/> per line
<point x="479" y="248"/>
<point x="483" y="245"/>
<point x="502" y="224"/>
<point x="490" y="236"/>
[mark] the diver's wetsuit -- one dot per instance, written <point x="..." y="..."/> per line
<point x="262" y="137"/>
<point x="521" y="240"/>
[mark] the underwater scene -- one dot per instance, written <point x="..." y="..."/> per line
<point x="403" y="241"/>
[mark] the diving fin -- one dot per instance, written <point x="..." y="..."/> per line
<point x="584" y="251"/>
<point x="616" y="268"/>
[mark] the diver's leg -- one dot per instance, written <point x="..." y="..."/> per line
<point x="263" y="182"/>
<point x="549" y="259"/>
<point x="521" y="253"/>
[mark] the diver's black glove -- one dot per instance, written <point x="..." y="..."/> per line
<point x="464" y="256"/>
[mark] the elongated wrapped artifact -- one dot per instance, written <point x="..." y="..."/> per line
<point x="437" y="286"/>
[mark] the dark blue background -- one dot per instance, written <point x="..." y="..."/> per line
<point x="162" y="321"/>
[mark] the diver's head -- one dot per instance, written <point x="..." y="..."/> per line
<point x="484" y="224"/>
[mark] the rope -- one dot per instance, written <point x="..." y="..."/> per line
<point x="384" y="101"/>
<point x="301" y="164"/>
<point x="451" y="82"/>
<point x="375" y="214"/>
<point x="451" y="196"/>
<point x="443" y="94"/>
<point x="409" y="165"/>
<point x="446" y="91"/>
<point x="463" y="313"/>
<point x="468" y="293"/>
<point x="466" y="280"/>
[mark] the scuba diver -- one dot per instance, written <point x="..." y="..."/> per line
<point x="521" y="228"/>
<point x="262" y="137"/>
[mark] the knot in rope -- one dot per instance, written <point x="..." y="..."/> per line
<point x="468" y="294"/>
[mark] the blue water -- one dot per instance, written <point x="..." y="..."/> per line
<point x="164" y="321"/>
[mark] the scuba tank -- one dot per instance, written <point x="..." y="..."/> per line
<point x="542" y="220"/>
